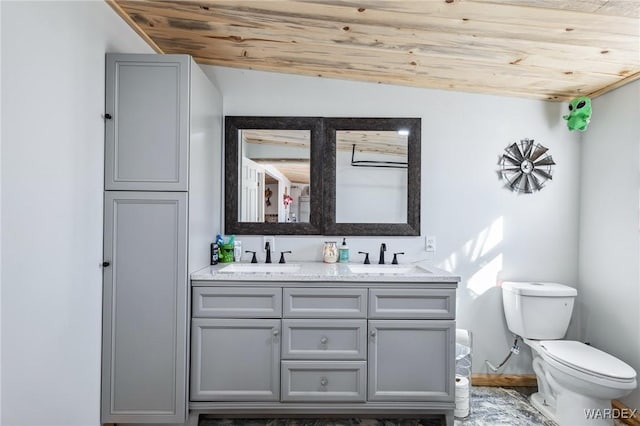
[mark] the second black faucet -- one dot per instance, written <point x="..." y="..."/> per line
<point x="383" y="248"/>
<point x="267" y="248"/>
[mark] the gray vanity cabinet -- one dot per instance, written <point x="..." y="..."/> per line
<point x="147" y="134"/>
<point x="349" y="348"/>
<point x="145" y="308"/>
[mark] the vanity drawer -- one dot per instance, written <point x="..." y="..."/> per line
<point x="412" y="303"/>
<point x="237" y="302"/>
<point x="325" y="302"/>
<point x="324" y="339"/>
<point x="324" y="381"/>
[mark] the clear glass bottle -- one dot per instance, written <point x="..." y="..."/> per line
<point x="330" y="252"/>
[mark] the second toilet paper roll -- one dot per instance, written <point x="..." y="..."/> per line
<point x="462" y="397"/>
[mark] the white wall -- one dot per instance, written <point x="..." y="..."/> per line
<point x="484" y="232"/>
<point x="609" y="268"/>
<point x="52" y="183"/>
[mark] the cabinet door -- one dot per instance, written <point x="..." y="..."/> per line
<point x="147" y="136"/>
<point x="235" y="359"/>
<point x="144" y="338"/>
<point x="411" y="360"/>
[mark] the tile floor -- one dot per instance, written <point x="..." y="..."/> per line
<point x="490" y="406"/>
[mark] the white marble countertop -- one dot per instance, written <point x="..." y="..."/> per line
<point x="419" y="272"/>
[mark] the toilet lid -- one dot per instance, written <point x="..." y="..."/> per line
<point x="587" y="359"/>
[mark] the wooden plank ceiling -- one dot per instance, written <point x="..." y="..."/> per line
<point x="544" y="49"/>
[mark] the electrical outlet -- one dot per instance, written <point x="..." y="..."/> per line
<point x="430" y="243"/>
<point x="272" y="243"/>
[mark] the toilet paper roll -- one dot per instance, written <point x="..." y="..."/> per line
<point x="463" y="397"/>
<point x="462" y="386"/>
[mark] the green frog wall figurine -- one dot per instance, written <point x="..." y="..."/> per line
<point x="579" y="113"/>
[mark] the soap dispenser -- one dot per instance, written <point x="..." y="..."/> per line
<point x="343" y="252"/>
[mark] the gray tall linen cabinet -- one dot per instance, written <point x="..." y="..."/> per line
<point x="163" y="138"/>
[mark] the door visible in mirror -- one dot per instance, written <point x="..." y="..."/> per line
<point x="371" y="176"/>
<point x="275" y="176"/>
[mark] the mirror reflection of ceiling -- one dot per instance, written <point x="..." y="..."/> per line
<point x="294" y="164"/>
<point x="376" y="142"/>
<point x="379" y="142"/>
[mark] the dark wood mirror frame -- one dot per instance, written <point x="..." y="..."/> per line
<point x="322" y="219"/>
<point x="235" y="123"/>
<point x="412" y="227"/>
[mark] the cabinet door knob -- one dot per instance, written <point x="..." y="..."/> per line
<point x="324" y="381"/>
<point x="106" y="264"/>
<point x="276" y="332"/>
<point x="324" y="340"/>
<point x="108" y="116"/>
<point x="372" y="333"/>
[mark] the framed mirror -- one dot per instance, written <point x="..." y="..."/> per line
<point x="273" y="175"/>
<point x="372" y="176"/>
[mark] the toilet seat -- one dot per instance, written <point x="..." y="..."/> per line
<point x="579" y="359"/>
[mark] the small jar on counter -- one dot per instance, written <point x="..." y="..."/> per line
<point x="330" y="252"/>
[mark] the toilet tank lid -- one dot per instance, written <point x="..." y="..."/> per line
<point x="541" y="289"/>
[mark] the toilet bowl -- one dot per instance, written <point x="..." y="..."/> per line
<point x="576" y="382"/>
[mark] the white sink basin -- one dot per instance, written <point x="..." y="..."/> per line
<point x="261" y="268"/>
<point x="388" y="269"/>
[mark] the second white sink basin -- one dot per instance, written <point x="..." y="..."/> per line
<point x="261" y="268"/>
<point x="388" y="269"/>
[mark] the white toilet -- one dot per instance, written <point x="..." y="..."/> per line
<point x="575" y="380"/>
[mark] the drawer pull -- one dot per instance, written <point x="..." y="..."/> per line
<point x="324" y="381"/>
<point x="324" y="340"/>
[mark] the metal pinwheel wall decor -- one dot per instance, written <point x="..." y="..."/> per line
<point x="526" y="166"/>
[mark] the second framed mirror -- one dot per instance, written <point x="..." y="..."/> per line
<point x="372" y="176"/>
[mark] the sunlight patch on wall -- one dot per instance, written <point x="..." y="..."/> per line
<point x="486" y="277"/>
<point x="488" y="239"/>
<point x="481" y="257"/>
<point x="494" y="236"/>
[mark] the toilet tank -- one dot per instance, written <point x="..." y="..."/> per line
<point x="538" y="310"/>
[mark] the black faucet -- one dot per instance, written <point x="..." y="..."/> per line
<point x="267" y="247"/>
<point x="383" y="248"/>
<point x="366" y="257"/>
<point x="253" y="258"/>
<point x="395" y="257"/>
<point x="282" y="260"/>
